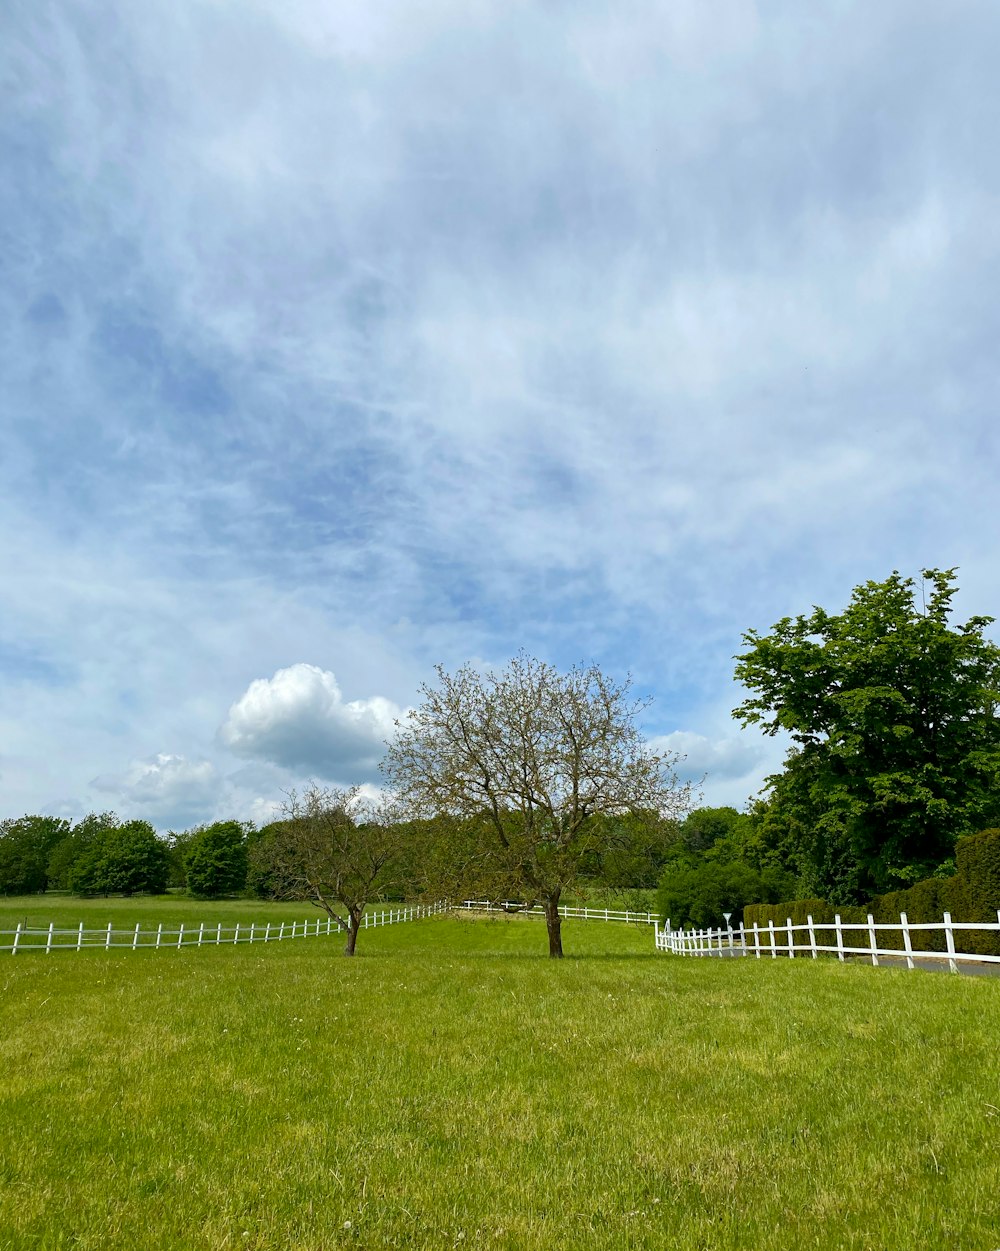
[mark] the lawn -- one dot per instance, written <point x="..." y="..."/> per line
<point x="452" y="1087"/>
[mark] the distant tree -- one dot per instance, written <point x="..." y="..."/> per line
<point x="527" y="763"/>
<point x="123" y="859"/>
<point x="700" y="892"/>
<point x="215" y="860"/>
<point x="896" y="741"/>
<point x="25" y="846"/>
<point x="333" y="849"/>
<point x="703" y="827"/>
<point x="70" y="849"/>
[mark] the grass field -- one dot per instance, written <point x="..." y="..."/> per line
<point x="452" y="1087"/>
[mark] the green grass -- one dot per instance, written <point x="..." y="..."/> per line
<point x="452" y="1087"/>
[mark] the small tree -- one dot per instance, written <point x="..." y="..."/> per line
<point x="527" y="765"/>
<point x="332" y="849"/>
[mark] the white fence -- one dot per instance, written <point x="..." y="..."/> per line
<point x="26" y="938"/>
<point x="588" y="914"/>
<point x="836" y="937"/>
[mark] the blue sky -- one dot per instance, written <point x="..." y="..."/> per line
<point x="339" y="341"/>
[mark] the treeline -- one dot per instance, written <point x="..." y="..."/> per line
<point x="105" y="855"/>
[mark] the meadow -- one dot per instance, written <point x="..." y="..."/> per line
<point x="452" y="1087"/>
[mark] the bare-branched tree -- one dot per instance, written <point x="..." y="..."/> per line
<point x="527" y="769"/>
<point x="336" y="850"/>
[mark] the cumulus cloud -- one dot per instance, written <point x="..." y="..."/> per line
<point x="167" y="790"/>
<point x="299" y="720"/>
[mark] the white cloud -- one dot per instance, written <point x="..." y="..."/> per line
<point x="299" y="720"/>
<point x="165" y="789"/>
<point x="733" y="757"/>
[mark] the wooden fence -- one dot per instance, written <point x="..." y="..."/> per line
<point x="48" y="939"/>
<point x="589" y="914"/>
<point x="835" y="937"/>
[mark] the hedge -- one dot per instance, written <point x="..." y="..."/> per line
<point x="971" y="894"/>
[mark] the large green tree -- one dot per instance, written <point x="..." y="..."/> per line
<point x="538" y="777"/>
<point x="892" y="712"/>
<point x="123" y="859"/>
<point x="215" y="859"/>
<point x="25" y="846"/>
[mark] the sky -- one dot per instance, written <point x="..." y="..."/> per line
<point x="340" y="341"/>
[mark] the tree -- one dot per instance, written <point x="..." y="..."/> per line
<point x="215" y="859"/>
<point x="526" y="764"/>
<point x="123" y="859"/>
<point x="25" y="846"/>
<point x="896" y="741"/>
<point x="331" y="848"/>
<point x="704" y="827"/>
<point x="69" y="850"/>
<point x="701" y="891"/>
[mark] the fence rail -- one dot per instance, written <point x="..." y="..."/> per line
<point x="589" y="914"/>
<point x="836" y="937"/>
<point x="49" y="938"/>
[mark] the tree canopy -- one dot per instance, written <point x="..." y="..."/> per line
<point x="529" y="769"/>
<point x="892" y="711"/>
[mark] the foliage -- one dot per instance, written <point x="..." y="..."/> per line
<point x="971" y="893"/>
<point x="215" y="859"/>
<point x="529" y="765"/>
<point x="698" y="892"/>
<point x="25" y="846"/>
<point x="892" y="713"/>
<point x="703" y="828"/>
<point x="332" y="849"/>
<point x="77" y="841"/>
<point x="122" y="859"/>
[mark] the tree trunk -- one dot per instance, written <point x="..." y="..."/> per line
<point x="553" y="923"/>
<point x="354" y="919"/>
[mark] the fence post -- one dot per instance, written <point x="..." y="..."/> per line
<point x="236" y="934"/>
<point x="17" y="939"/>
<point x="218" y="935"/>
<point x="840" y="937"/>
<point x="872" y="940"/>
<point x="774" y="948"/>
<point x="159" y="935"/>
<point x="907" y="946"/>
<point x="201" y="933"/>
<point x="812" y="935"/>
<point x="48" y="941"/>
<point x="252" y="927"/>
<point x="756" y="939"/>
<point x="949" y="938"/>
<point x="79" y="937"/>
<point x="180" y="935"/>
<point x="281" y="932"/>
<point x="135" y="938"/>
<point x="107" y="945"/>
<point x="791" y="938"/>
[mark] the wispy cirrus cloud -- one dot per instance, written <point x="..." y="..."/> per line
<point x="369" y="336"/>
